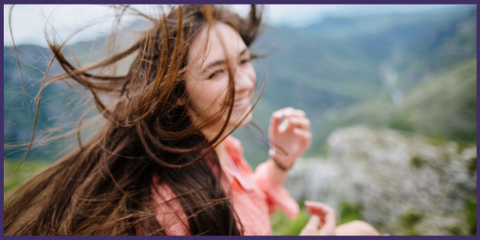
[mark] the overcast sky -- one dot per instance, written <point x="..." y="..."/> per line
<point x="29" y="21"/>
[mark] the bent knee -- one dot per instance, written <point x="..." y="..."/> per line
<point x="356" y="227"/>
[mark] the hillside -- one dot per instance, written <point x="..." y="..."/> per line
<point x="443" y="107"/>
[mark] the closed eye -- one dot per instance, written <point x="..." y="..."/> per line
<point x="215" y="73"/>
<point x="246" y="60"/>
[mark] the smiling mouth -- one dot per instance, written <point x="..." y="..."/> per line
<point x="241" y="104"/>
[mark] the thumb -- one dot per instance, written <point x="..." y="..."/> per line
<point x="312" y="226"/>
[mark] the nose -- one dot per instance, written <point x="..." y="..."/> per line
<point x="244" y="80"/>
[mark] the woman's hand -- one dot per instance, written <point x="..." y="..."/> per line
<point x="322" y="221"/>
<point x="292" y="135"/>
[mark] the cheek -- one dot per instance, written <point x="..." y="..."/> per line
<point x="251" y="73"/>
<point x="206" y="94"/>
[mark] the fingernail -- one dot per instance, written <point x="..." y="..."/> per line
<point x="296" y="130"/>
<point x="294" y="120"/>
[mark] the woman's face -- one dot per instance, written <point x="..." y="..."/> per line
<point x="207" y="81"/>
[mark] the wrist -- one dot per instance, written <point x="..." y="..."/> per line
<point x="276" y="173"/>
<point x="272" y="156"/>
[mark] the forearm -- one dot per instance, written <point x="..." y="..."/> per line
<point x="270" y="181"/>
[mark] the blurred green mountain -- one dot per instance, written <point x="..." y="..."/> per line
<point x="442" y="107"/>
<point x="338" y="71"/>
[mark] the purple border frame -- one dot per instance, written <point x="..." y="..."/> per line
<point x="237" y="2"/>
<point x="241" y="2"/>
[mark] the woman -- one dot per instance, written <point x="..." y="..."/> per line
<point x="164" y="162"/>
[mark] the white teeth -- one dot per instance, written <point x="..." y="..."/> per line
<point x="240" y="102"/>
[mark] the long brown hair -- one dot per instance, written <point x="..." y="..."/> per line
<point x="105" y="187"/>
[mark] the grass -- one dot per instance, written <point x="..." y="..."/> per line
<point x="408" y="223"/>
<point x="26" y="170"/>
<point x="472" y="165"/>
<point x="350" y="212"/>
<point x="470" y="210"/>
<point x="282" y="225"/>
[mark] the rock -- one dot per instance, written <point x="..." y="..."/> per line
<point x="392" y="176"/>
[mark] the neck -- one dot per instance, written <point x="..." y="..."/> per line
<point x="221" y="148"/>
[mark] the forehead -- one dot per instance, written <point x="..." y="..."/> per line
<point x="223" y="41"/>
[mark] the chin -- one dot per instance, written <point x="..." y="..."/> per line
<point x="239" y="118"/>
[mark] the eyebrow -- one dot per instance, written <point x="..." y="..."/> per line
<point x="220" y="62"/>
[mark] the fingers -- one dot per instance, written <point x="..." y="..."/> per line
<point x="299" y="113"/>
<point x="304" y="136"/>
<point x="277" y="116"/>
<point x="320" y="209"/>
<point x="289" y="111"/>
<point x="312" y="226"/>
<point x="302" y="123"/>
<point x="274" y="121"/>
<point x="293" y="119"/>
<point x="317" y="207"/>
<point x="326" y="214"/>
<point x="328" y="228"/>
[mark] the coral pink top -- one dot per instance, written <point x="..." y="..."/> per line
<point x="254" y="196"/>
